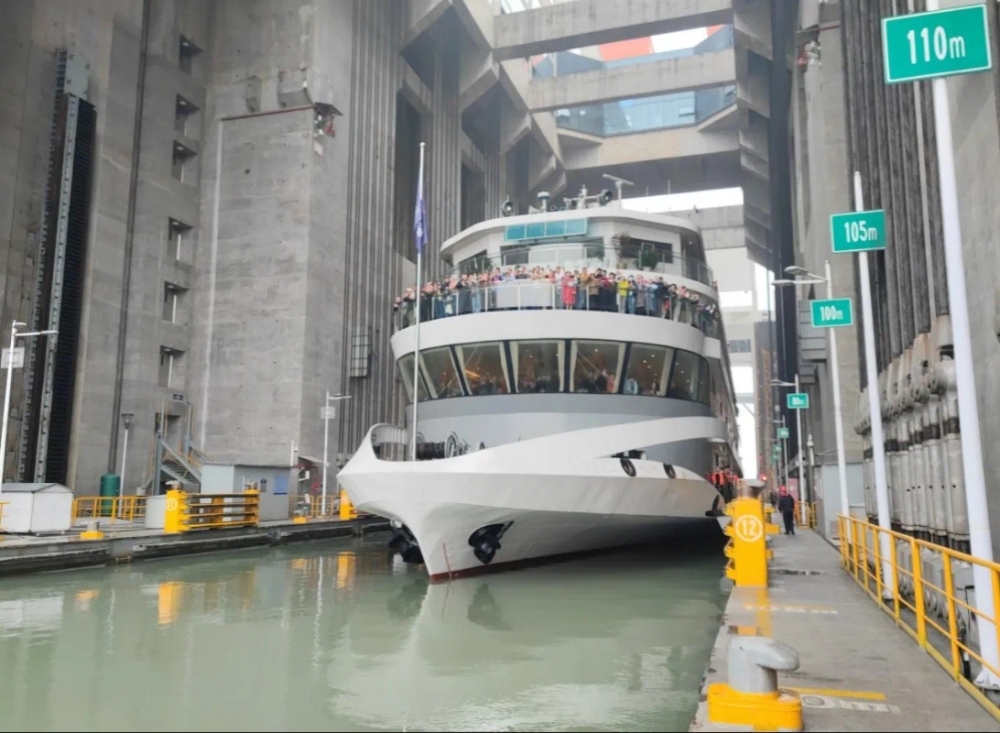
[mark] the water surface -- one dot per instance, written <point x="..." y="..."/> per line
<point x="340" y="637"/>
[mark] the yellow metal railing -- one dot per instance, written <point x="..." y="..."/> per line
<point x="112" y="508"/>
<point x="923" y="600"/>
<point x="309" y="506"/>
<point x="808" y="520"/>
<point x="3" y="505"/>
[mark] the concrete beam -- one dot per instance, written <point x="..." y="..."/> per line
<point x="420" y="16"/>
<point x="514" y="126"/>
<point x="686" y="73"/>
<point x="477" y="75"/>
<point x="541" y="168"/>
<point x="752" y="26"/>
<point x="753" y="92"/>
<point x="414" y="90"/>
<point x="472" y="157"/>
<point x="476" y="17"/>
<point x="680" y="142"/>
<point x="583" y="23"/>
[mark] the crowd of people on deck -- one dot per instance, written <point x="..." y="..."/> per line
<point x="566" y="289"/>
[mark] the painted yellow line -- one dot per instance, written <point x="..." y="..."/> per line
<point x="747" y="631"/>
<point x="857" y="694"/>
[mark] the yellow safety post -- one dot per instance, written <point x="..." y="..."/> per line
<point x="347" y="510"/>
<point x="747" y="550"/>
<point x="175" y="520"/>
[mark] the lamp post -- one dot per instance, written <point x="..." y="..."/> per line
<point x="801" y="444"/>
<point x="804" y="277"/>
<point x="328" y="414"/>
<point x="127" y="423"/>
<point x="14" y="335"/>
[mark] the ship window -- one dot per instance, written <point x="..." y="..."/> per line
<point x="705" y="383"/>
<point x="685" y="377"/>
<point x="440" y="373"/>
<point x="596" y="366"/>
<point x="538" y="365"/>
<point x="406" y="372"/>
<point x="485" y="371"/>
<point x="648" y="370"/>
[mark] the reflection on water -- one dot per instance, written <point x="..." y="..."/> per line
<point x="339" y="636"/>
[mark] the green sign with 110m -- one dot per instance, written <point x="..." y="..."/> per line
<point x="858" y="231"/>
<point x="798" y="401"/>
<point x="935" y="44"/>
<point x="832" y="313"/>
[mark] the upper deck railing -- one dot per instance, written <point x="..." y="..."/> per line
<point x="654" y="300"/>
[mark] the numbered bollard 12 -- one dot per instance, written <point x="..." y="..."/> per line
<point x="174" y="521"/>
<point x="748" y="549"/>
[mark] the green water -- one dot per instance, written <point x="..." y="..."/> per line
<point x="338" y="636"/>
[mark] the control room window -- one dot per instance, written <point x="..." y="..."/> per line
<point x="596" y="366"/>
<point x="685" y="379"/>
<point x="440" y="373"/>
<point x="406" y="373"/>
<point x="538" y="365"/>
<point x="484" y="367"/>
<point x="648" y="370"/>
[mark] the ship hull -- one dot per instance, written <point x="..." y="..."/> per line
<point x="536" y="499"/>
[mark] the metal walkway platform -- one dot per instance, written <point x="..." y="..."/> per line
<point x="858" y="671"/>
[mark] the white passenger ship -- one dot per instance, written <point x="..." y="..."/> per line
<point x="556" y="414"/>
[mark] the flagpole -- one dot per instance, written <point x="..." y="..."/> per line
<point x="420" y="228"/>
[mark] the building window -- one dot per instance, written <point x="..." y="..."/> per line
<point x="183" y="163"/>
<point x="184" y="111"/>
<point x="538" y="365"/>
<point x="596" y="366"/>
<point x="648" y="370"/>
<point x="739" y="346"/>
<point x="440" y="373"/>
<point x="485" y="368"/>
<point x="170" y="296"/>
<point x="170" y="360"/>
<point x="186" y="55"/>
<point x="178" y="234"/>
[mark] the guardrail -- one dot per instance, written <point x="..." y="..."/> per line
<point x="303" y="507"/>
<point x="931" y="601"/>
<point x="186" y="512"/>
<point x="3" y="505"/>
<point x="112" y="508"/>
<point x="805" y="517"/>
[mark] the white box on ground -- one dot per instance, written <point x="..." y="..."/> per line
<point x="36" y="508"/>
<point x="156" y="512"/>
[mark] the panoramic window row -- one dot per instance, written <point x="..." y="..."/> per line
<point x="559" y="366"/>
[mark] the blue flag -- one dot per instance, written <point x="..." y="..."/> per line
<point x="420" y="217"/>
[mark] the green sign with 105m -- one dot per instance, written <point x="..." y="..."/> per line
<point x="858" y="231"/>
<point x="935" y="44"/>
<point x="832" y="313"/>
<point x="798" y="401"/>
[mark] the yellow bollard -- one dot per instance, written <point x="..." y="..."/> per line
<point x="748" y="549"/>
<point x="347" y="510"/>
<point x="175" y="520"/>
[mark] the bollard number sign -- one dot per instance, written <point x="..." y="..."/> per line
<point x="936" y="44"/>
<point x="832" y="313"/>
<point x="798" y="401"/>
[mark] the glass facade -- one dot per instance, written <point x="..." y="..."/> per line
<point x="553" y="366"/>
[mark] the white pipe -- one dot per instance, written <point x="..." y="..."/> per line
<point x="980" y="540"/>
<point x="878" y="441"/>
<point x="6" y="403"/>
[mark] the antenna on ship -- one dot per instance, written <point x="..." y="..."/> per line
<point x="619" y="183"/>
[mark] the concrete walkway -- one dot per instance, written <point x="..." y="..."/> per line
<point x="858" y="671"/>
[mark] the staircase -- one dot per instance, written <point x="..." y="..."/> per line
<point x="178" y="467"/>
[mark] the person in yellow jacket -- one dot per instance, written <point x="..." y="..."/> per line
<point x="623" y="286"/>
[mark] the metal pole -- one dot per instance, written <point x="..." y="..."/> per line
<point x="6" y="403"/>
<point x="838" y="415"/>
<point x="803" y="499"/>
<point x="121" y="488"/>
<point x="981" y="542"/>
<point x="878" y="442"/>
<point x="326" y="448"/>
<point x="416" y="349"/>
